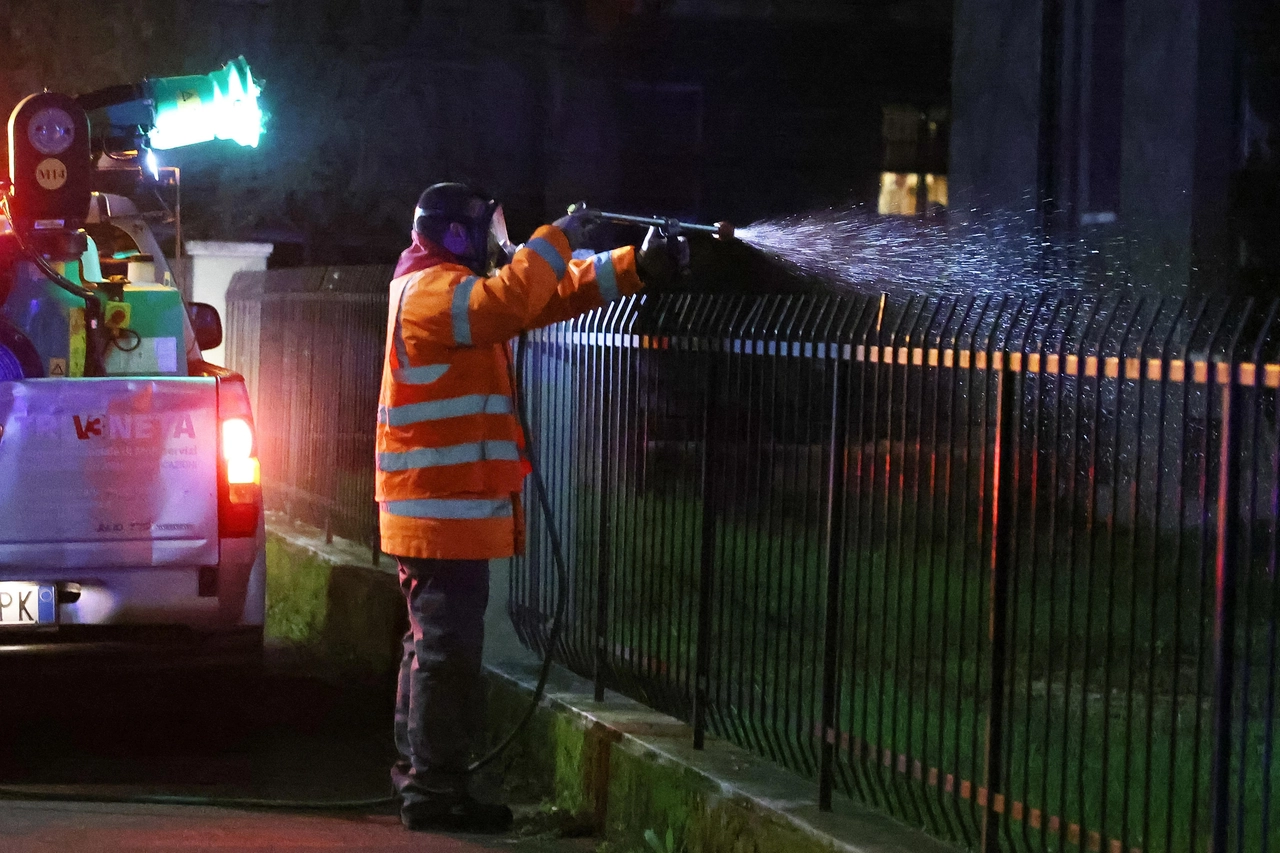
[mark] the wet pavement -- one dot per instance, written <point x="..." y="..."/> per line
<point x="100" y="734"/>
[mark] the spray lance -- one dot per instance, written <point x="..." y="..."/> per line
<point x="671" y="229"/>
<point x="667" y="226"/>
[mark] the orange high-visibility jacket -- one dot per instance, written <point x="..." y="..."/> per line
<point x="449" y="448"/>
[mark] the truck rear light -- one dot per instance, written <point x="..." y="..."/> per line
<point x="237" y="453"/>
<point x="239" y="475"/>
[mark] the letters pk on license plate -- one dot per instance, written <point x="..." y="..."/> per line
<point x="23" y="603"/>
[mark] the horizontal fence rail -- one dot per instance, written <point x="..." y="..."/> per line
<point x="1002" y="566"/>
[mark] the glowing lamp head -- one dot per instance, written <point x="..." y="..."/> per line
<point x="203" y="107"/>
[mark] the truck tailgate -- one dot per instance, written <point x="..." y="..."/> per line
<point x="108" y="473"/>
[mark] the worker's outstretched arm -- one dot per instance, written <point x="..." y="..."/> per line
<point x="540" y="286"/>
<point x="491" y="310"/>
<point x="590" y="283"/>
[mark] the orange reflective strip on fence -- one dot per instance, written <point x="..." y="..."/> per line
<point x="1155" y="370"/>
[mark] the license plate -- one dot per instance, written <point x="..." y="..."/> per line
<point x="23" y="603"/>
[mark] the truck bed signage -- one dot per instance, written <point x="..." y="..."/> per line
<point x="108" y="472"/>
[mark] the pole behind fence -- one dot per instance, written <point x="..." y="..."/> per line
<point x="1224" y="612"/>
<point x="1004" y="479"/>
<point x="837" y="477"/>
<point x="703" y="664"/>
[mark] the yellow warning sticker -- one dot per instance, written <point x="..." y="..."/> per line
<point x="76" y="347"/>
<point x="188" y="99"/>
<point x="51" y="173"/>
<point x="118" y="315"/>
<point x="57" y="367"/>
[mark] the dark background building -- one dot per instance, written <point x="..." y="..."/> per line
<point x="1142" y="130"/>
<point x="709" y="109"/>
<point x="1140" y="134"/>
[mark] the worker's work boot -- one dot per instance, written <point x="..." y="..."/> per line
<point x="460" y="813"/>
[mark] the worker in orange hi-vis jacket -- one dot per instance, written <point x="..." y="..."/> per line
<point x="450" y="460"/>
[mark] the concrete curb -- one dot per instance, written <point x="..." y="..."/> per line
<point x="337" y="614"/>
<point x="625" y="768"/>
<point x="616" y="766"/>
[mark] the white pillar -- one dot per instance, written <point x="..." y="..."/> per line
<point x="213" y="263"/>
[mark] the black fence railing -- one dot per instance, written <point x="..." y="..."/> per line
<point x="310" y="344"/>
<point x="1002" y="566"/>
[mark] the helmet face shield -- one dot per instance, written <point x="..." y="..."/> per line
<point x="500" y="250"/>
<point x="447" y="211"/>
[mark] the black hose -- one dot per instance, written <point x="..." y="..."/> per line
<point x="562" y="571"/>
<point x="254" y="803"/>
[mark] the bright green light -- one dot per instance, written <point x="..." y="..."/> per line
<point x="202" y="107"/>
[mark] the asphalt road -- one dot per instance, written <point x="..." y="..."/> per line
<point x="302" y="738"/>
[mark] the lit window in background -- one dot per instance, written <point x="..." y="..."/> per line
<point x="900" y="193"/>
<point x="913" y="176"/>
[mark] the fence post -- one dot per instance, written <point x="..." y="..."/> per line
<point x="1224" y="610"/>
<point x="602" y="560"/>
<point x="1005" y="481"/>
<point x="837" y="474"/>
<point x="703" y="664"/>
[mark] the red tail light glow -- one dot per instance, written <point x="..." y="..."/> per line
<point x="239" y="475"/>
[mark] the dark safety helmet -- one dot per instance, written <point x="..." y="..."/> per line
<point x="443" y="205"/>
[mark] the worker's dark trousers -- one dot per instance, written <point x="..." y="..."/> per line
<point x="440" y="698"/>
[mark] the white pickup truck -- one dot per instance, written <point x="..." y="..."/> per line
<point x="130" y="506"/>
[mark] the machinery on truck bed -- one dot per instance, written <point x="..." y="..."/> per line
<point x="130" y="497"/>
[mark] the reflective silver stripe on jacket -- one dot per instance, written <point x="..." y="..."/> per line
<point x="606" y="276"/>
<point x="438" y="410"/>
<point x="462" y="311"/>
<point x="549" y="254"/>
<point x="424" y="375"/>
<point x="454" y="454"/>
<point x="448" y="508"/>
<point x="404" y="374"/>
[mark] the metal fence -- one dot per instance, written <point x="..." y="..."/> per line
<point x="1001" y="566"/>
<point x="310" y="343"/>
